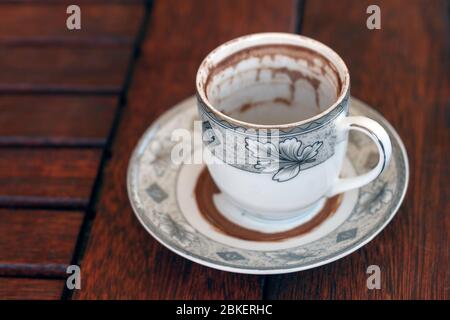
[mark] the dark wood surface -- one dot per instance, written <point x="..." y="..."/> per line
<point x="30" y="289"/>
<point x="76" y="120"/>
<point x="36" y="242"/>
<point x="140" y="268"/>
<point x="403" y="71"/>
<point x="56" y="68"/>
<point x="74" y="104"/>
<point x="61" y="92"/>
<point x="106" y="23"/>
<point x="46" y="177"/>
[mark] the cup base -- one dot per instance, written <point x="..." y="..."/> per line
<point x="255" y="222"/>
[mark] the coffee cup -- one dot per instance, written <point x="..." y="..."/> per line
<point x="274" y="110"/>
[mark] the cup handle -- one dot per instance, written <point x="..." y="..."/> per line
<point x="380" y="137"/>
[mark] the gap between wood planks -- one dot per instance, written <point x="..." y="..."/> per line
<point x="90" y="213"/>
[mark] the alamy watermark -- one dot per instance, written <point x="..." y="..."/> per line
<point x="374" y="279"/>
<point x="374" y="20"/>
<point x="74" y="279"/>
<point x="206" y="145"/>
<point x="73" y="21"/>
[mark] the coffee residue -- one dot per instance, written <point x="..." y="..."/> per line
<point x="247" y="106"/>
<point x="282" y="101"/>
<point x="206" y="188"/>
<point x="271" y="50"/>
<point x="294" y="76"/>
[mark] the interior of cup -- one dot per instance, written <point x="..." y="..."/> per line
<point x="272" y="79"/>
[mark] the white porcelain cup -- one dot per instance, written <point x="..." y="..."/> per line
<point x="275" y="118"/>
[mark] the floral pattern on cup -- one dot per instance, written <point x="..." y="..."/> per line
<point x="284" y="160"/>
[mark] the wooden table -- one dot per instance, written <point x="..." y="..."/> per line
<point x="74" y="103"/>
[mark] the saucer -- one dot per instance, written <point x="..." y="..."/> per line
<point x="165" y="198"/>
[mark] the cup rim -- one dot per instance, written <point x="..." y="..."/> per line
<point x="336" y="60"/>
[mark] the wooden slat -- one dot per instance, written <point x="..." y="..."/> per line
<point x="110" y="23"/>
<point x="62" y="120"/>
<point x="122" y="260"/>
<point x="67" y="2"/>
<point x="30" y="289"/>
<point x="47" y="177"/>
<point x="37" y="243"/>
<point x="53" y="68"/>
<point x="402" y="70"/>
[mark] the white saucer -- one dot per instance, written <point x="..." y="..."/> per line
<point x="162" y="196"/>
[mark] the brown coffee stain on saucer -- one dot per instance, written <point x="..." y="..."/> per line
<point x="205" y="189"/>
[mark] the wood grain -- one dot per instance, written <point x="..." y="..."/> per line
<point x="402" y="70"/>
<point x="55" y="68"/>
<point x="122" y="261"/>
<point x="37" y="243"/>
<point x="42" y="22"/>
<point x="62" y="73"/>
<point x="67" y="2"/>
<point x="30" y="289"/>
<point x="47" y="177"/>
<point x="56" y="120"/>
